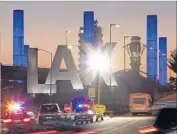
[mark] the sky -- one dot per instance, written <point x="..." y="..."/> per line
<point x="46" y="23"/>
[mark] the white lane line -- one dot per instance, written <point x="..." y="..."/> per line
<point x="119" y="127"/>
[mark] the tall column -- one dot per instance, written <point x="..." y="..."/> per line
<point x="152" y="46"/>
<point x="163" y="61"/>
<point x="88" y="32"/>
<point x="89" y="27"/>
<point x="18" y="37"/>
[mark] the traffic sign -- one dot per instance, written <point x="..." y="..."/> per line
<point x="91" y="92"/>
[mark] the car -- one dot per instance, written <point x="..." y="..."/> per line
<point x="17" y="118"/>
<point x="165" y="123"/>
<point x="49" y="113"/>
<point x="16" y="114"/>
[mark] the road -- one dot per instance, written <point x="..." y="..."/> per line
<point x="120" y="125"/>
<point x="116" y="125"/>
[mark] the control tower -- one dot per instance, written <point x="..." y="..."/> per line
<point x="135" y="50"/>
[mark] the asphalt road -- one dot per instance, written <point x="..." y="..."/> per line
<point x="120" y="125"/>
<point x="116" y="125"/>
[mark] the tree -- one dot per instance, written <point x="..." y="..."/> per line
<point x="173" y="66"/>
<point x="173" y="61"/>
<point x="98" y="40"/>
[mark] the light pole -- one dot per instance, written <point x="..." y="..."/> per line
<point x="98" y="62"/>
<point x="51" y="71"/>
<point x="66" y="36"/>
<point x="110" y="28"/>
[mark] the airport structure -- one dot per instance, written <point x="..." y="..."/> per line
<point x="89" y="27"/>
<point x="135" y="50"/>
<point x="26" y="48"/>
<point x="87" y="35"/>
<point x="19" y="50"/>
<point x="163" y="61"/>
<point x="152" y="46"/>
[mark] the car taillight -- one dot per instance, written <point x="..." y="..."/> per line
<point x="7" y="120"/>
<point x="147" y="130"/>
<point x="58" y="113"/>
<point x="26" y="120"/>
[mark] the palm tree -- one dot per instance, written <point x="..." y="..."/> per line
<point x="173" y="66"/>
<point x="173" y="61"/>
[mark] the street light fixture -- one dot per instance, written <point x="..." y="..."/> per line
<point x="98" y="62"/>
<point x="66" y="36"/>
<point x="51" y="70"/>
<point x="71" y="46"/>
<point x="111" y="25"/>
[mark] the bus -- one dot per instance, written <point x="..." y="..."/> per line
<point x="140" y="103"/>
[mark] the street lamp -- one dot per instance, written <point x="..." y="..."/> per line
<point x="51" y="70"/>
<point x="99" y="62"/>
<point x="71" y="46"/>
<point x="111" y="25"/>
<point x="66" y="36"/>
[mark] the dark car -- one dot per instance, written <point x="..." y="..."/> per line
<point x="49" y="113"/>
<point x="165" y="123"/>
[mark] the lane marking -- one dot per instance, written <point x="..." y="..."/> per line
<point x="119" y="127"/>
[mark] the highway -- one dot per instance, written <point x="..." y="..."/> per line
<point x="120" y="125"/>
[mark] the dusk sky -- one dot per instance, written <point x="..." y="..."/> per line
<point x="46" y="22"/>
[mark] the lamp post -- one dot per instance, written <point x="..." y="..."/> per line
<point x="66" y="36"/>
<point x="51" y="71"/>
<point x="110" y="28"/>
<point x="98" y="62"/>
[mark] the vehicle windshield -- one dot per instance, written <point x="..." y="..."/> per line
<point x="139" y="100"/>
<point x="49" y="109"/>
<point x="167" y="118"/>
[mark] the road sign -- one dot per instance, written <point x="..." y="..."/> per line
<point x="67" y="108"/>
<point x="91" y="92"/>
